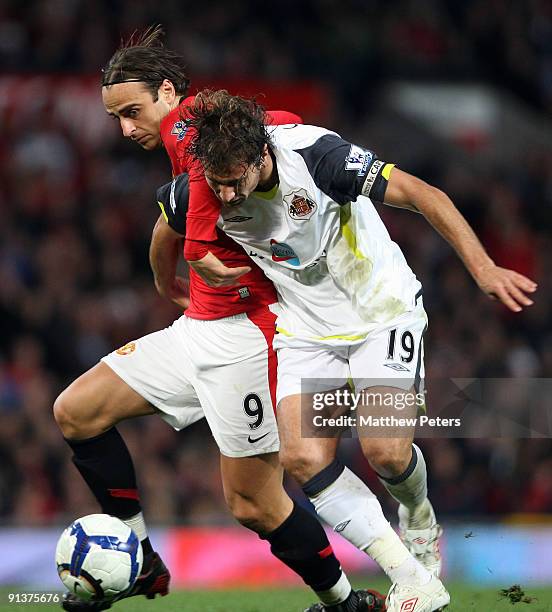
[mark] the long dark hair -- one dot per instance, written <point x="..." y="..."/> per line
<point x="144" y="58"/>
<point x="231" y="131"/>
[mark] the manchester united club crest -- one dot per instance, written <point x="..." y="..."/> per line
<point x="300" y="206"/>
<point x="179" y="129"/>
<point x="126" y="349"/>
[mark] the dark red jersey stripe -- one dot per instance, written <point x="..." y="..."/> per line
<point x="326" y="552"/>
<point x="126" y="493"/>
<point x="265" y="320"/>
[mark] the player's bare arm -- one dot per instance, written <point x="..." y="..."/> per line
<point x="215" y="273"/>
<point x="165" y="249"/>
<point x="407" y="191"/>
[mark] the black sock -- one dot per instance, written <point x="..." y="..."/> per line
<point x="106" y="466"/>
<point x="147" y="548"/>
<point x="302" y="544"/>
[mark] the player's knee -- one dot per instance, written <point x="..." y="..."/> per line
<point x="78" y="420"/>
<point x="66" y="416"/>
<point x="390" y="459"/>
<point x="246" y="511"/>
<point x="301" y="464"/>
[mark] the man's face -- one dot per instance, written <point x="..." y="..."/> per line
<point x="241" y="181"/>
<point x="236" y="186"/>
<point x="139" y="116"/>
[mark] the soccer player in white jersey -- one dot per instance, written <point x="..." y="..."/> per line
<point x="299" y="199"/>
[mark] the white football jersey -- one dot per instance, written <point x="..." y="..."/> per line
<point x="318" y="237"/>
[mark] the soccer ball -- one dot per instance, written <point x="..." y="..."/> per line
<point x="98" y="557"/>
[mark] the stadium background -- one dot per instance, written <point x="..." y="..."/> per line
<point x="458" y="93"/>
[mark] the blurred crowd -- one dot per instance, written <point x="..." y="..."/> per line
<point x="77" y="219"/>
<point x="354" y="43"/>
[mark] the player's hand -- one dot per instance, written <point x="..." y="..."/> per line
<point x="507" y="286"/>
<point x="180" y="292"/>
<point x="215" y="273"/>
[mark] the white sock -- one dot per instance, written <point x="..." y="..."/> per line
<point x="352" y="510"/>
<point x="415" y="511"/>
<point x="338" y="593"/>
<point x="138" y="525"/>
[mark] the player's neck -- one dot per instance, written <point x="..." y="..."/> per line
<point x="175" y="103"/>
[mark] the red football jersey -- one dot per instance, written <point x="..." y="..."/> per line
<point x="254" y="289"/>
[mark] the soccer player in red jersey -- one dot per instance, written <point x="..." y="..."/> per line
<point x="215" y="361"/>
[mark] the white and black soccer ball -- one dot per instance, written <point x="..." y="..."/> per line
<point x="98" y="557"/>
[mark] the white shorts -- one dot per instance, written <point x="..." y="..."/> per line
<point x="224" y="370"/>
<point x="392" y="355"/>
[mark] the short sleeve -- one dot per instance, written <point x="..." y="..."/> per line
<point x="343" y="170"/>
<point x="173" y="200"/>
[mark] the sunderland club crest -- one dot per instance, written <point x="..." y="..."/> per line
<point x="300" y="206"/>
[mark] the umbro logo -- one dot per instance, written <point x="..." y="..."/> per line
<point x="253" y="440"/>
<point x="237" y="219"/>
<point x="409" y="605"/>
<point x="341" y="526"/>
<point x="397" y="367"/>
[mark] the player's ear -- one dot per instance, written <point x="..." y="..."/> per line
<point x="167" y="92"/>
<point x="265" y="155"/>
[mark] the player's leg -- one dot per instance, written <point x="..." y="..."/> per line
<point x="95" y="402"/>
<point x="236" y="384"/>
<point x="390" y="365"/>
<point x="341" y="498"/>
<point x="255" y="495"/>
<point x="401" y="468"/>
<point x="132" y="381"/>
<point x="253" y="491"/>
<point x="387" y="391"/>
<point x="87" y="412"/>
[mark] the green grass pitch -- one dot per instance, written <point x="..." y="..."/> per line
<point x="465" y="598"/>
